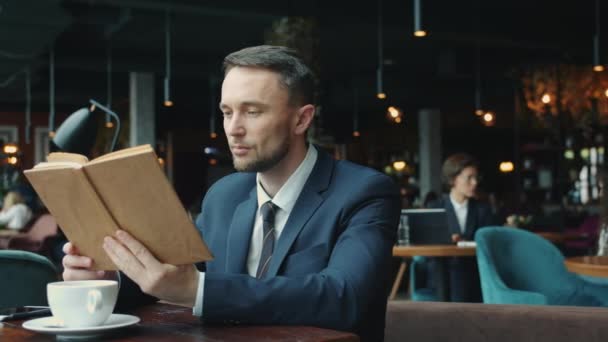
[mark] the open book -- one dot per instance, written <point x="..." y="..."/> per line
<point x="127" y="190"/>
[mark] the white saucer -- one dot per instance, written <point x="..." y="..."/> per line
<point x="50" y="325"/>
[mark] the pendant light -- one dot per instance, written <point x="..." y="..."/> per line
<point x="380" y="94"/>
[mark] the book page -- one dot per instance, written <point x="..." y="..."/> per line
<point x="123" y="153"/>
<point x="66" y="157"/>
<point x="58" y="165"/>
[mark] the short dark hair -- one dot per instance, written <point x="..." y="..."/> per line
<point x="296" y="76"/>
<point x="454" y="165"/>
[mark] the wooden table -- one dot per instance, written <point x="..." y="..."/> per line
<point x="596" y="266"/>
<point x="164" y="322"/>
<point x="405" y="252"/>
<point x="561" y="237"/>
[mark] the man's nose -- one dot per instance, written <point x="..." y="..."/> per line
<point x="234" y="125"/>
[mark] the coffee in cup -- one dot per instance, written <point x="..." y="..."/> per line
<point x="83" y="303"/>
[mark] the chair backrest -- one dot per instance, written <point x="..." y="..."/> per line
<point x="44" y="226"/>
<point x="521" y="260"/>
<point x="24" y="276"/>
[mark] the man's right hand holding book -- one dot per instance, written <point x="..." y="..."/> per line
<point x="174" y="284"/>
<point x="78" y="267"/>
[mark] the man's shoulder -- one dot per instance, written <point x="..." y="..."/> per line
<point x="440" y="202"/>
<point x="234" y="183"/>
<point x="354" y="175"/>
<point x="345" y="167"/>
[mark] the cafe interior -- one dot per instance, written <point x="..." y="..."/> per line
<point x="520" y="86"/>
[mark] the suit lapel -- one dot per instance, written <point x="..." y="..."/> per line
<point x="306" y="205"/>
<point x="453" y="224"/>
<point x="239" y="234"/>
<point x="471" y="219"/>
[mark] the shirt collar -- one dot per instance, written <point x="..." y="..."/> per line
<point x="457" y="205"/>
<point x="287" y="195"/>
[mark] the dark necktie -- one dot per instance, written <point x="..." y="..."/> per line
<point x="268" y="211"/>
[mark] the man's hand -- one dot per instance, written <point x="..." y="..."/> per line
<point x="175" y="284"/>
<point x="78" y="267"/>
<point x="456" y="237"/>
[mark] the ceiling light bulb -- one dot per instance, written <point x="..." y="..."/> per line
<point x="546" y="98"/>
<point x="506" y="166"/>
<point x="393" y="112"/>
<point x="10" y="149"/>
<point x="399" y="165"/>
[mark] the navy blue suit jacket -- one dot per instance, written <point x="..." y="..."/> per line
<point x="479" y="214"/>
<point x="331" y="265"/>
<point x="464" y="277"/>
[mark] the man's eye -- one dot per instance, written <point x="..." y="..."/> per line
<point x="253" y="112"/>
<point x="226" y="113"/>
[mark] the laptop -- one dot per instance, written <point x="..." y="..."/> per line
<point x="428" y="226"/>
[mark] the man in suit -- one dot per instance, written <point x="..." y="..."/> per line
<point x="465" y="215"/>
<point x="298" y="238"/>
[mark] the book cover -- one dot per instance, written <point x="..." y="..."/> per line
<point x="127" y="190"/>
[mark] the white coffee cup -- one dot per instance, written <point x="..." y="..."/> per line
<point x="84" y="303"/>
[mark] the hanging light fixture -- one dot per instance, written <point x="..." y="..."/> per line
<point x="109" y="123"/>
<point x="478" y="109"/>
<point x="51" y="92"/>
<point x="167" y="102"/>
<point x="28" y="104"/>
<point x="597" y="66"/>
<point x="380" y="70"/>
<point x="356" y="132"/>
<point x="213" y="102"/>
<point x="488" y="119"/>
<point x="418" y="31"/>
<point x="394" y="114"/>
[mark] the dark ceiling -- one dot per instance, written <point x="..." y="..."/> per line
<point x="436" y="71"/>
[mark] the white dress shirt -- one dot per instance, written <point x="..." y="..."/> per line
<point x="461" y="210"/>
<point x="285" y="199"/>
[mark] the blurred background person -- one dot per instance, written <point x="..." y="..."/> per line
<point x="430" y="198"/>
<point x="15" y="213"/>
<point x="465" y="215"/>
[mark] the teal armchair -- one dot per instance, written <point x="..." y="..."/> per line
<point x="24" y="276"/>
<point x="420" y="289"/>
<point x="520" y="267"/>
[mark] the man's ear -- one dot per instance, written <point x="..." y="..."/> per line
<point x="304" y="118"/>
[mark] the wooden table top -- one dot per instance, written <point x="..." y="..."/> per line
<point x="433" y="251"/>
<point x="164" y="322"/>
<point x="560" y="237"/>
<point x="596" y="266"/>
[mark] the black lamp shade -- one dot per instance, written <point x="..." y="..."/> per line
<point x="77" y="133"/>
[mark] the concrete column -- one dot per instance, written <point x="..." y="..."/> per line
<point x="142" y="114"/>
<point x="429" y="135"/>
